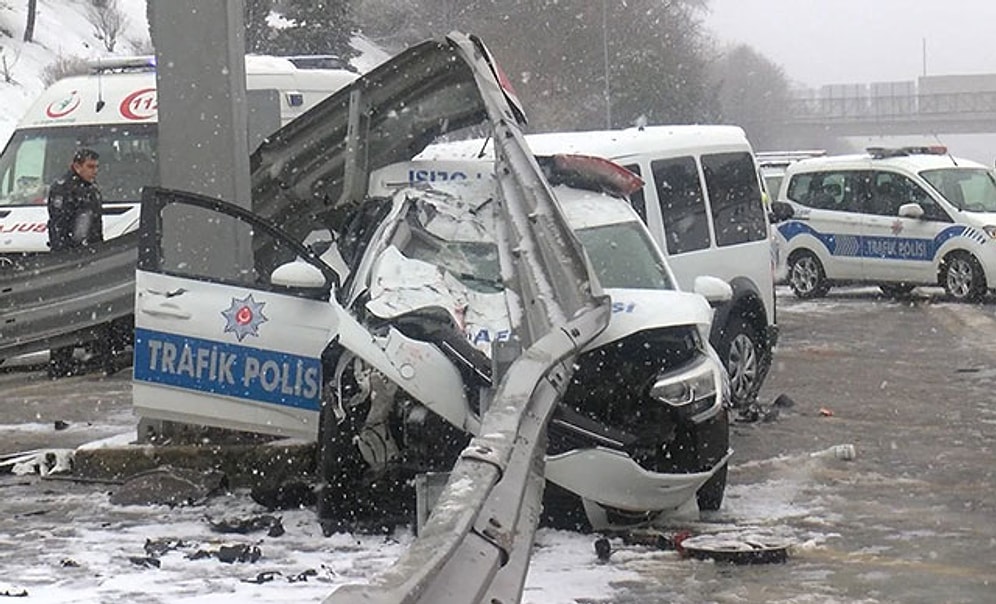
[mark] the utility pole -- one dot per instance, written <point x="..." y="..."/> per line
<point x="605" y="56"/>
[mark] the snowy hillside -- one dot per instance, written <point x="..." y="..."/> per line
<point x="61" y="32"/>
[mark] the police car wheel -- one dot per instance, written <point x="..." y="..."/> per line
<point x="806" y="276"/>
<point x="963" y="278"/>
<point x="742" y="353"/>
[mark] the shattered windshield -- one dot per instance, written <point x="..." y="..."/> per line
<point x="971" y="189"/>
<point x="34" y="158"/>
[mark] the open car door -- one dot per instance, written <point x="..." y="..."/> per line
<point x="228" y="332"/>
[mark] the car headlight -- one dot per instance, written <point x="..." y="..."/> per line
<point x="990" y="230"/>
<point x="691" y="389"/>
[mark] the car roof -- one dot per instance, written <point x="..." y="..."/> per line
<point x="913" y="163"/>
<point x="613" y="144"/>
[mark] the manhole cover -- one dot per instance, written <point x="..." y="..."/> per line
<point x="737" y="548"/>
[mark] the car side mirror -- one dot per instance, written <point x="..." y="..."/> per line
<point x="298" y="274"/>
<point x="780" y="210"/>
<point x="911" y="210"/>
<point x="716" y="291"/>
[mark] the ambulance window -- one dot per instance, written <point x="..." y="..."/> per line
<point x="683" y="211"/>
<point x="637" y="199"/>
<point x="735" y="197"/>
<point x="23" y="172"/>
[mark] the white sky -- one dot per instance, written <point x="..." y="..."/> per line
<point x="858" y="41"/>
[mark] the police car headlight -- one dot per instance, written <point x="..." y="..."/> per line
<point x="691" y="389"/>
<point x="990" y="230"/>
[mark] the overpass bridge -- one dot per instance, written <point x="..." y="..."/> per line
<point x="947" y="104"/>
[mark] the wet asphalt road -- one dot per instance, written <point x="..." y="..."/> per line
<point x="912" y="519"/>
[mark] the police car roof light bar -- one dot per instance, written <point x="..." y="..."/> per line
<point x="117" y="64"/>
<point x="886" y="152"/>
<point x="602" y="173"/>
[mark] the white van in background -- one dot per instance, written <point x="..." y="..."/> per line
<point x="702" y="202"/>
<point x="113" y="110"/>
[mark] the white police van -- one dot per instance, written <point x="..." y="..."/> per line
<point x="702" y="202"/>
<point x="895" y="217"/>
<point x="114" y="110"/>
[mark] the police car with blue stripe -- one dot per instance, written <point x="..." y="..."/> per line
<point x="898" y="218"/>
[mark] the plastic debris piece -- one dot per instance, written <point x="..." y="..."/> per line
<point x="263" y="577"/>
<point x="826" y="412"/>
<point x="847" y="452"/>
<point x="145" y="561"/>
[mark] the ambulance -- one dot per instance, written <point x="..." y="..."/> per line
<point x="113" y="109"/>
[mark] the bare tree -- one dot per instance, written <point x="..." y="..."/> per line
<point x="107" y="20"/>
<point x="29" y="29"/>
<point x="7" y="66"/>
<point x="753" y="93"/>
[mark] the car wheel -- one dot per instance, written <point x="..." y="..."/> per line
<point x="962" y="277"/>
<point x="895" y="290"/>
<point x="806" y="276"/>
<point x="743" y="356"/>
<point x="710" y="495"/>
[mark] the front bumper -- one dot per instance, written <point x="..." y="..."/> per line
<point x="612" y="479"/>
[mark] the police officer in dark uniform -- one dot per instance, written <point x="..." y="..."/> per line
<point x="75" y="215"/>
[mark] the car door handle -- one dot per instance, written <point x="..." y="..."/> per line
<point x="165" y="309"/>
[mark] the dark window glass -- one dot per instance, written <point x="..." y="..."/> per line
<point x="841" y="191"/>
<point x="638" y="200"/>
<point x="679" y="191"/>
<point x="735" y="197"/>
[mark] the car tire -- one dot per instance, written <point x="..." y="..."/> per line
<point x="742" y="353"/>
<point x="710" y="495"/>
<point x="962" y="277"/>
<point x="896" y="290"/>
<point x="806" y="276"/>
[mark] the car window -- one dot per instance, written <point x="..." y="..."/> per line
<point x="637" y="199"/>
<point x="252" y="256"/>
<point x="840" y="191"/>
<point x="965" y="188"/>
<point x="735" y="198"/>
<point x="623" y="256"/>
<point x="892" y="190"/>
<point x="683" y="210"/>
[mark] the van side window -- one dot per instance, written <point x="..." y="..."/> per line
<point x="735" y="197"/>
<point x="637" y="199"/>
<point x="683" y="210"/>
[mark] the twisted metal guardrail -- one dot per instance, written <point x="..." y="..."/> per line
<point x="57" y="299"/>
<point x="475" y="546"/>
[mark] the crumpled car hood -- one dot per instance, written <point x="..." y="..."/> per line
<point x="303" y="176"/>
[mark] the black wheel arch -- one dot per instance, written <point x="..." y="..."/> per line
<point x="748" y="302"/>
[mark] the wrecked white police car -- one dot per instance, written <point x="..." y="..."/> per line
<point x="391" y="335"/>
